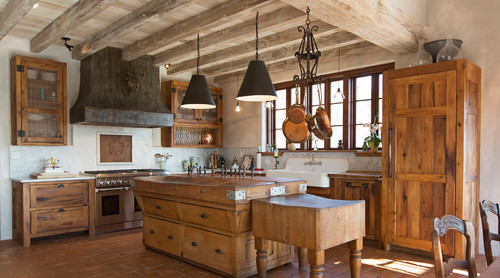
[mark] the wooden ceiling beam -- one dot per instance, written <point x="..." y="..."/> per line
<point x="325" y="43"/>
<point x="147" y="13"/>
<point x="76" y="15"/>
<point x="376" y="21"/>
<point x="291" y="63"/>
<point x="12" y="13"/>
<point x="278" y="40"/>
<point x="280" y="19"/>
<point x="223" y="13"/>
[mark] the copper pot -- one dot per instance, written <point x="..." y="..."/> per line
<point x="319" y="124"/>
<point x="207" y="138"/>
<point x="296" y="133"/>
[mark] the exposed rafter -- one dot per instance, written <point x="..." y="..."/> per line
<point x="237" y="34"/>
<point x="78" y="14"/>
<point x="287" y="38"/>
<point x="12" y="13"/>
<point x="377" y="21"/>
<point x="291" y="62"/>
<point x="223" y="13"/>
<point x="332" y="41"/>
<point x="151" y="11"/>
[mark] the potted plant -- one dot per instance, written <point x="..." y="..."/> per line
<point x="373" y="141"/>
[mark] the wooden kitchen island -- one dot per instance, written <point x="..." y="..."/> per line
<point x="207" y="220"/>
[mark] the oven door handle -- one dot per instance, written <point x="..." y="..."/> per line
<point x="111" y="189"/>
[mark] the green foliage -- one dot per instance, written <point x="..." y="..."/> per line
<point x="373" y="138"/>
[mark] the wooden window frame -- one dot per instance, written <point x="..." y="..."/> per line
<point x="349" y="129"/>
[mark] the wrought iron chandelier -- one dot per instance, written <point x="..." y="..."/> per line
<point x="308" y="53"/>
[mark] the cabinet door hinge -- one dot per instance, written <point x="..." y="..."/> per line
<point x="20" y="68"/>
<point x="220" y="120"/>
<point x="220" y="96"/>
<point x="21" y="133"/>
<point x="174" y="116"/>
<point x="174" y="90"/>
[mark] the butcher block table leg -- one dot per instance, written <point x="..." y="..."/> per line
<point x="302" y="258"/>
<point x="355" y="259"/>
<point x="261" y="245"/>
<point x="316" y="259"/>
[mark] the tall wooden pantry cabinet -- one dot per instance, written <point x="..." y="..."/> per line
<point x="431" y="139"/>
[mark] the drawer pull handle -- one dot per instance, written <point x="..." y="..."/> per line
<point x="218" y="251"/>
<point x="158" y="207"/>
<point x="365" y="185"/>
<point x="204" y="215"/>
<point x="170" y="237"/>
<point x="60" y="210"/>
<point x="60" y="185"/>
<point x="194" y="244"/>
<point x="152" y="231"/>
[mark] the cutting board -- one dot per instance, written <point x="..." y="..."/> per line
<point x="55" y="176"/>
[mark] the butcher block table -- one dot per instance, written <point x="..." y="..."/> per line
<point x="207" y="220"/>
<point x="311" y="223"/>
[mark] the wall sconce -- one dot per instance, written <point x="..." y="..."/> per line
<point x="66" y="39"/>
<point x="269" y="104"/>
<point x="167" y="66"/>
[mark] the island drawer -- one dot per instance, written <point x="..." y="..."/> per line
<point x="160" y="207"/>
<point x="58" y="194"/>
<point x="209" y="217"/>
<point x="162" y="235"/>
<point x="211" y="249"/>
<point x="55" y="220"/>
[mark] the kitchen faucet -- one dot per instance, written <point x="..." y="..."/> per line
<point x="313" y="161"/>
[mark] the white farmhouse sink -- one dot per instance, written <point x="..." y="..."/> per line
<point x="311" y="170"/>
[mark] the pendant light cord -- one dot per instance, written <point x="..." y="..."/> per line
<point x="198" y="60"/>
<point x="257" y="36"/>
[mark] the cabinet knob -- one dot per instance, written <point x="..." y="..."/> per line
<point x="365" y="185"/>
<point x="60" y="185"/>
<point x="204" y="215"/>
<point x="218" y="251"/>
<point x="152" y="231"/>
<point x="170" y="237"/>
<point x="194" y="244"/>
<point x="61" y="210"/>
<point x="158" y="207"/>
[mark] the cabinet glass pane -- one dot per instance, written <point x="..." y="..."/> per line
<point x="42" y="88"/>
<point x="210" y="115"/>
<point x="183" y="113"/>
<point x="42" y="125"/>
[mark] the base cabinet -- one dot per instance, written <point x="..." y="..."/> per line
<point x="50" y="208"/>
<point x="173" y="228"/>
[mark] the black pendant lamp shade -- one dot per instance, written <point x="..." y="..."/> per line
<point x="257" y="84"/>
<point x="198" y="94"/>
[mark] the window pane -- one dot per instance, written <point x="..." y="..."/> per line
<point x="361" y="133"/>
<point x="280" y="117"/>
<point x="380" y="110"/>
<point x="281" y="101"/>
<point x="364" y="87"/>
<point x="336" y="136"/>
<point x="314" y="108"/>
<point x="315" y="99"/>
<point x="321" y="144"/>
<point x="380" y="134"/>
<point x="280" y="139"/>
<point x="337" y="111"/>
<point x="334" y="86"/>
<point x="363" y="112"/>
<point x="293" y="99"/>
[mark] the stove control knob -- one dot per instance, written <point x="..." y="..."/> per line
<point x="120" y="182"/>
<point x="100" y="183"/>
<point x="108" y="182"/>
<point x="113" y="182"/>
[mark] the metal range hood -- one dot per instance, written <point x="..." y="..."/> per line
<point x="119" y="93"/>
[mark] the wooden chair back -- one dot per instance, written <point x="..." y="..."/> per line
<point x="439" y="228"/>
<point x="484" y="207"/>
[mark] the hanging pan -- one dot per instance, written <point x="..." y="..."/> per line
<point x="319" y="124"/>
<point x="297" y="112"/>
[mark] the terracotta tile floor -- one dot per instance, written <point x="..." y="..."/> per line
<point x="122" y="254"/>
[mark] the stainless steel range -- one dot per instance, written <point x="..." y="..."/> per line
<point x="115" y="205"/>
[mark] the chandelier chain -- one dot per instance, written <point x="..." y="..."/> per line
<point x="198" y="59"/>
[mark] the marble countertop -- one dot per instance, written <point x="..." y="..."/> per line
<point x="28" y="179"/>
